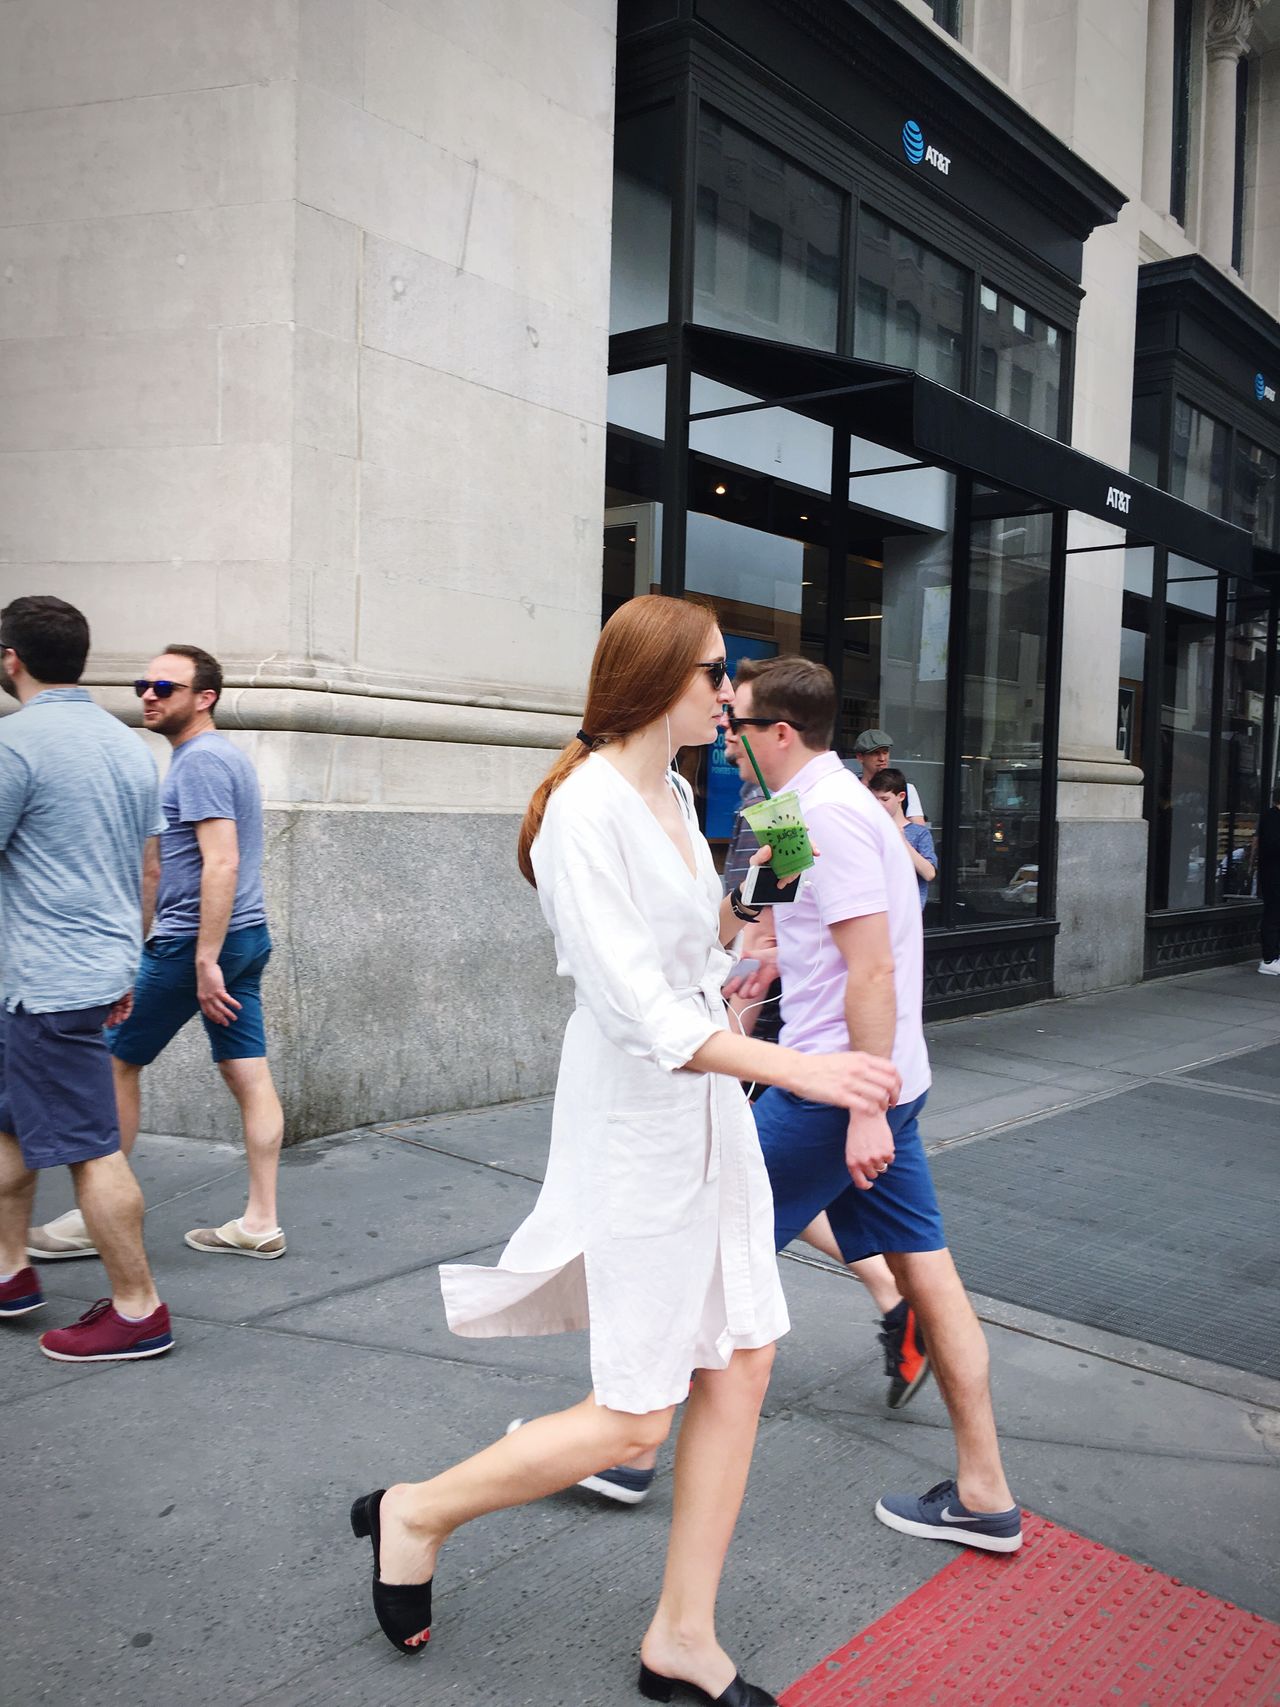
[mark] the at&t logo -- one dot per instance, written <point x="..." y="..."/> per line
<point x="1262" y="391"/>
<point x="1118" y="499"/>
<point x="917" y="149"/>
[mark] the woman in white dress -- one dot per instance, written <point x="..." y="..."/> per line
<point x="654" y="1227"/>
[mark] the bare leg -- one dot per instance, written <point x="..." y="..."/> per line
<point x="713" y="1457"/>
<point x="874" y="1272"/>
<point x="111" y="1202"/>
<point x="250" y="1083"/>
<point x="542" y="1457"/>
<point x="128" y="1083"/>
<point x="961" y="1364"/>
<point x="17" y="1194"/>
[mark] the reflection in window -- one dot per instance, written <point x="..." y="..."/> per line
<point x="1240" y="756"/>
<point x="1198" y="470"/>
<point x="641" y="220"/>
<point x="767" y="242"/>
<point x="1186" y="732"/>
<point x="1019" y="362"/>
<point x="1144" y="439"/>
<point x="998" y="840"/>
<point x="1253" y="491"/>
<point x="910" y="307"/>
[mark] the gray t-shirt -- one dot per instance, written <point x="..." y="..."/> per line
<point x="79" y="797"/>
<point x="208" y="778"/>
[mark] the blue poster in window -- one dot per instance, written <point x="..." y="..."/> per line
<point x="724" y="785"/>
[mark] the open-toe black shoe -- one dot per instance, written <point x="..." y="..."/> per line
<point x="740" y="1693"/>
<point x="402" y="1609"/>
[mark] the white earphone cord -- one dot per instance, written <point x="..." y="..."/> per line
<point x="737" y="1019"/>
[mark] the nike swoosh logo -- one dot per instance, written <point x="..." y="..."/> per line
<point x="950" y="1517"/>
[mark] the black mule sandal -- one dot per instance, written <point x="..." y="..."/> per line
<point x="403" y="1610"/>
<point x="740" y="1693"/>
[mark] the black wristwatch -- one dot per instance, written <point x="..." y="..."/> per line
<point x="748" y="915"/>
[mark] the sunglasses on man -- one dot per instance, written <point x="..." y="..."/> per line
<point x="737" y="723"/>
<point x="160" y="689"/>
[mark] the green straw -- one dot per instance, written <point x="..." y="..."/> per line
<point x="755" y="767"/>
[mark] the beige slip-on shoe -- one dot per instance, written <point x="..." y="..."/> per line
<point x="231" y="1240"/>
<point x="65" y="1236"/>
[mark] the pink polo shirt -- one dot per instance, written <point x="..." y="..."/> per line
<point x="864" y="868"/>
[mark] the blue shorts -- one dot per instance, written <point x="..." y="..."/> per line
<point x="56" y="1094"/>
<point x="164" y="998"/>
<point x="803" y="1144"/>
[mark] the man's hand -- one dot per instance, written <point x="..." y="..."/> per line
<point x="211" y="993"/>
<point x="863" y="1084"/>
<point x="119" y="1011"/>
<point x="868" y="1149"/>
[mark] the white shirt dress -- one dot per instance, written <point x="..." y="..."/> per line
<point x="654" y="1227"/>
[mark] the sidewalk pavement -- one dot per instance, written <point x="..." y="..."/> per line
<point x="174" y="1531"/>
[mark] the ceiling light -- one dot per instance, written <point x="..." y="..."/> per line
<point x="879" y="618"/>
<point x="720" y="491"/>
<point x="804" y="518"/>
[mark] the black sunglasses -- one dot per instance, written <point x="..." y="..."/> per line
<point x="717" y="669"/>
<point x="736" y="723"/>
<point x="161" y="689"/>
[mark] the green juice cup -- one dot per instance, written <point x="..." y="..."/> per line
<point x="777" y="821"/>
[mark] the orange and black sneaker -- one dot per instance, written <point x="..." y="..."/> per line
<point x="906" y="1362"/>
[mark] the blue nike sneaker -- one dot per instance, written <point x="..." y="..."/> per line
<point x="939" y="1516"/>
<point x="626" y="1486"/>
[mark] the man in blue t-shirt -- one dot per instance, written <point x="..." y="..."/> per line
<point x="78" y="802"/>
<point x="207" y="946"/>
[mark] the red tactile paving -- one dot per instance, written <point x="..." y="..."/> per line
<point x="1064" y="1622"/>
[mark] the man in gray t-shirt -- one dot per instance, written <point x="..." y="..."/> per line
<point x="207" y="946"/>
<point x="78" y="800"/>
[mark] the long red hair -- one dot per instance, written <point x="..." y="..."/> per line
<point x="644" y="658"/>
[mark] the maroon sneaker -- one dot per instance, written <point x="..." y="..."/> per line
<point x="21" y="1295"/>
<point x="103" y="1336"/>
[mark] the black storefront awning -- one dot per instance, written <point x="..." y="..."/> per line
<point x="897" y="407"/>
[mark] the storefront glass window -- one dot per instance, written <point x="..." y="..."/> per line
<point x="1240" y="752"/>
<point x="1144" y="443"/>
<point x="756" y="546"/>
<point x="910" y="306"/>
<point x="767" y="248"/>
<point x="897" y="619"/>
<point x="641" y="262"/>
<point x="1135" y="624"/>
<point x="1019" y="362"/>
<point x="998" y="840"/>
<point x="633" y="482"/>
<point x="1253" y="491"/>
<point x="1186" y="733"/>
<point x="1198" y="470"/>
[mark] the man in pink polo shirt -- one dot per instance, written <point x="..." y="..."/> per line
<point x="850" y="952"/>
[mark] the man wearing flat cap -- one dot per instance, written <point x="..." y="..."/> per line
<point x="871" y="751"/>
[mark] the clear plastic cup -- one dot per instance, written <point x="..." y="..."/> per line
<point x="777" y="821"/>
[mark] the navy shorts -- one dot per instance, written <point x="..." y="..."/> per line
<point x="164" y="998"/>
<point x="803" y="1144"/>
<point x="56" y="1093"/>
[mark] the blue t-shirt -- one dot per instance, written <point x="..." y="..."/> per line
<point x="921" y="838"/>
<point x="208" y="778"/>
<point x="79" y="797"/>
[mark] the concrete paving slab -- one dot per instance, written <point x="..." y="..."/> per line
<point x="514" y="1137"/>
<point x="1259" y="1070"/>
<point x="354" y="1212"/>
<point x="1183" y="1478"/>
<point x="1150" y="1215"/>
<point x="949" y="1054"/>
<point x="166" y="1168"/>
<point x="225" y="1473"/>
<point x="567" y="1630"/>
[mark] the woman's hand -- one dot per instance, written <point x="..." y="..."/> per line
<point x="864" y="1084"/>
